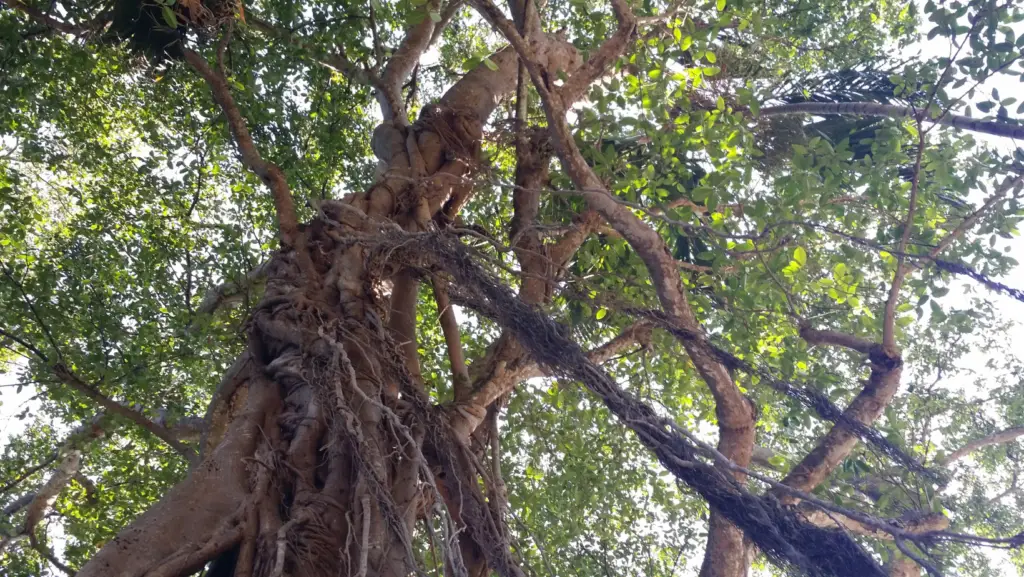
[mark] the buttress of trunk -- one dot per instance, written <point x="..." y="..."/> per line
<point x="319" y="472"/>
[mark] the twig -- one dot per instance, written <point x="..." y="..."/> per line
<point x="889" y="318"/>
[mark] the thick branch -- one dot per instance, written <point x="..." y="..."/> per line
<point x="402" y="320"/>
<point x="38" y="503"/>
<point x="19" y="503"/>
<point x="597" y="65"/>
<point x="47" y="495"/>
<point x="840" y="440"/>
<point x="452" y="339"/>
<point x="914" y="525"/>
<point x="882" y="384"/>
<point x="645" y="241"/>
<point x="231" y="292"/>
<point x="400" y="65"/>
<point x="449" y="12"/>
<point x="503" y="380"/>
<point x="178" y="530"/>
<point x="735" y="414"/>
<point x="893" y="111"/>
<point x="772" y="528"/>
<point x="531" y="174"/>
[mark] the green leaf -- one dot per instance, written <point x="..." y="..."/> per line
<point x="490" y="64"/>
<point x="800" y="255"/>
<point x="170" y="18"/>
<point x="720" y="5"/>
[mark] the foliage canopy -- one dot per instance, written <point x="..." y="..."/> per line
<point x="135" y="228"/>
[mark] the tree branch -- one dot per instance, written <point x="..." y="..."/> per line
<point x="400" y="65"/>
<point x="911" y="524"/>
<point x="893" y="111"/>
<point x="402" y="320"/>
<point x="115" y="408"/>
<point x="998" y="438"/>
<point x="45" y="553"/>
<point x="45" y="19"/>
<point x="25" y="344"/>
<point x="835" y="338"/>
<point x="449" y="11"/>
<point x="91" y="429"/>
<point x="734" y="412"/>
<point x="231" y="292"/>
<point x="48" y="493"/>
<point x="269" y="173"/>
<point x="502" y="380"/>
<point x="38" y="503"/>
<point x="889" y="318"/>
<point x="453" y="340"/>
<point x="840" y="440"/>
<point x="1000" y="193"/>
<point x="645" y="241"/>
<point x="598" y="63"/>
<point x="19" y="503"/>
<point x="336" y="61"/>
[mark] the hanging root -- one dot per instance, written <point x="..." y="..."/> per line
<point x="778" y="531"/>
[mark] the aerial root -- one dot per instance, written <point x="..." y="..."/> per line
<point x="282" y="546"/>
<point x="785" y="539"/>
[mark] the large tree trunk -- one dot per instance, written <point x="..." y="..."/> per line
<point x="324" y="450"/>
<point x="318" y="470"/>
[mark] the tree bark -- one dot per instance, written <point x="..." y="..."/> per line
<point x="322" y="451"/>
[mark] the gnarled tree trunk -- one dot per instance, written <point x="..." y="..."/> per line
<point x="323" y="452"/>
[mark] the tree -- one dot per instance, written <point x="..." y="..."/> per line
<point x="341" y="376"/>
